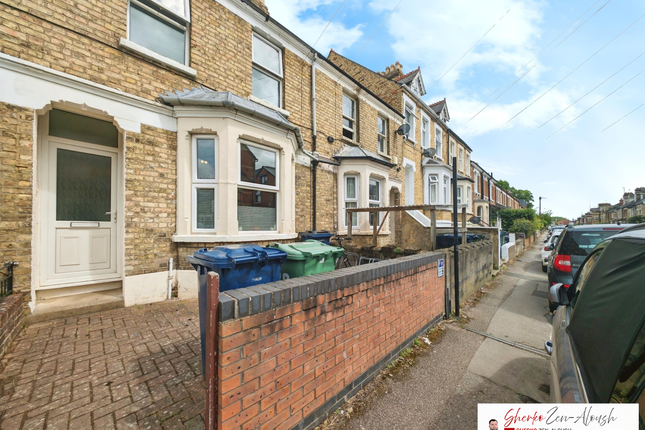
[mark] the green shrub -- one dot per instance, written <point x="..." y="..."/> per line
<point x="636" y="219"/>
<point x="523" y="226"/>
<point x="510" y="215"/>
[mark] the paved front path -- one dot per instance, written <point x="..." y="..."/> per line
<point x="137" y="367"/>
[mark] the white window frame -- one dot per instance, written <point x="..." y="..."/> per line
<point x="461" y="159"/>
<point x="425" y="131"/>
<point x="460" y="192"/>
<point x="438" y="143"/>
<point x="452" y="151"/>
<point x="378" y="202"/>
<point x="467" y="167"/>
<point x="477" y="179"/>
<point x="279" y="76"/>
<point x="261" y="187"/>
<point x="446" y="190"/>
<point x="170" y="17"/>
<point x="354" y="200"/>
<point x="203" y="183"/>
<point x="468" y="192"/>
<point x="408" y="104"/>
<point x="353" y="120"/>
<point x="433" y="183"/>
<point x="386" y="143"/>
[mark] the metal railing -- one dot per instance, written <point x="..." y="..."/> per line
<point x="6" y="279"/>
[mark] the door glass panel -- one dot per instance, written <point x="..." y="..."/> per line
<point x="83" y="186"/>
<point x="78" y="127"/>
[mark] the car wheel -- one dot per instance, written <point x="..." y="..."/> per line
<point x="544" y="268"/>
<point x="552" y="307"/>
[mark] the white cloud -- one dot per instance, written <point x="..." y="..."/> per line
<point x="290" y="14"/>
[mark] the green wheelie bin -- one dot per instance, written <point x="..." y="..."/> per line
<point x="308" y="258"/>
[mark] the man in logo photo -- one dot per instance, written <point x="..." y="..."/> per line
<point x="492" y="424"/>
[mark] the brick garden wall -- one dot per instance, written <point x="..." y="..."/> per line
<point x="10" y="320"/>
<point x="475" y="269"/>
<point x="293" y="351"/>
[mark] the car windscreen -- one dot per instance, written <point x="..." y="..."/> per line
<point x="582" y="242"/>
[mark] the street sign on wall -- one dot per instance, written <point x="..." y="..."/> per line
<point x="440" y="267"/>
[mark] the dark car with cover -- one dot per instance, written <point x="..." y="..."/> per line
<point x="575" y="243"/>
<point x="597" y="345"/>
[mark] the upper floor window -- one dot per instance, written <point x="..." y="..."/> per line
<point x="349" y="117"/>
<point x="258" y="187"/>
<point x="204" y="182"/>
<point x="461" y="159"/>
<point x="267" y="71"/>
<point x="382" y="135"/>
<point x="452" y="152"/>
<point x="477" y="178"/>
<point x="425" y="137"/>
<point x="438" y="140"/>
<point x="161" y="26"/>
<point x="409" y="119"/>
<point x="467" y="163"/>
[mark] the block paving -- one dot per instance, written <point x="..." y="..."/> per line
<point x="129" y="368"/>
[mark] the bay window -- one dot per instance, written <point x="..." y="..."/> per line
<point x="160" y="26"/>
<point x="375" y="198"/>
<point x="349" y="117"/>
<point x="204" y="183"/>
<point x="433" y="182"/>
<point x="267" y="71"/>
<point x="459" y="192"/>
<point x="351" y="199"/>
<point x="258" y="187"/>
<point x="446" y="184"/>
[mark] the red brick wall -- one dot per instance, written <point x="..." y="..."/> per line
<point x="298" y="362"/>
<point x="10" y="320"/>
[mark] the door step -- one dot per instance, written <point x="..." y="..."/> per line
<point x="75" y="305"/>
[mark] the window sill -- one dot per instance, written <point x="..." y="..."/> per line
<point x="410" y="141"/>
<point x="269" y="105"/>
<point x="383" y="154"/>
<point x="135" y="47"/>
<point x="349" y="141"/>
<point x="213" y="238"/>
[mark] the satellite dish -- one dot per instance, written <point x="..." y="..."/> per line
<point x="429" y="152"/>
<point x="475" y="220"/>
<point x="403" y="130"/>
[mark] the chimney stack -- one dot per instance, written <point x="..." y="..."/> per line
<point x="393" y="71"/>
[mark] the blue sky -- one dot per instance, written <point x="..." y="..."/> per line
<point x="575" y="167"/>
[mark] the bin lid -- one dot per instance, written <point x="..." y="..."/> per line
<point x="227" y="257"/>
<point x="306" y="250"/>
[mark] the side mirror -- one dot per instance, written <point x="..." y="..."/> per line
<point x="558" y="296"/>
<point x="552" y="246"/>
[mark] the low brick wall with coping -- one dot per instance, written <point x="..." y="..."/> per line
<point x="11" y="314"/>
<point x="291" y="352"/>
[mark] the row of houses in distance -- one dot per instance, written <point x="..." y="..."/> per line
<point x="630" y="205"/>
<point x="140" y="131"/>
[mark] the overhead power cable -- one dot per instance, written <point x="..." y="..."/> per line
<point x="622" y="118"/>
<point x="589" y="92"/>
<point x="470" y="49"/>
<point x="329" y="23"/>
<point x="379" y="27"/>
<point x="537" y="55"/>
<point x="571" y="72"/>
<point x="597" y="103"/>
<point x="570" y="34"/>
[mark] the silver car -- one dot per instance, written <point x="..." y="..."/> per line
<point x="597" y="346"/>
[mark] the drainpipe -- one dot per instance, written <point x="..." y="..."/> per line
<point x="314" y="163"/>
<point x="170" y="279"/>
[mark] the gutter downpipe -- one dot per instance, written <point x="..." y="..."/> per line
<point x="314" y="163"/>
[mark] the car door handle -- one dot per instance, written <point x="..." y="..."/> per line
<point x="548" y="346"/>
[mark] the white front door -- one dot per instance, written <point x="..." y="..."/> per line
<point x="79" y="213"/>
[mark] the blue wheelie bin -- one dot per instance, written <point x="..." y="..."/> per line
<point x="321" y="236"/>
<point x="238" y="266"/>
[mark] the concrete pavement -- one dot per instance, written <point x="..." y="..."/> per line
<point x="443" y="388"/>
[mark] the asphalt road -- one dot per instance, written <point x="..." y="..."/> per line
<point x="443" y="388"/>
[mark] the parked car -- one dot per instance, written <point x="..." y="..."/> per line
<point x="575" y="243"/>
<point x="555" y="230"/>
<point x="549" y="246"/>
<point x="597" y="345"/>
